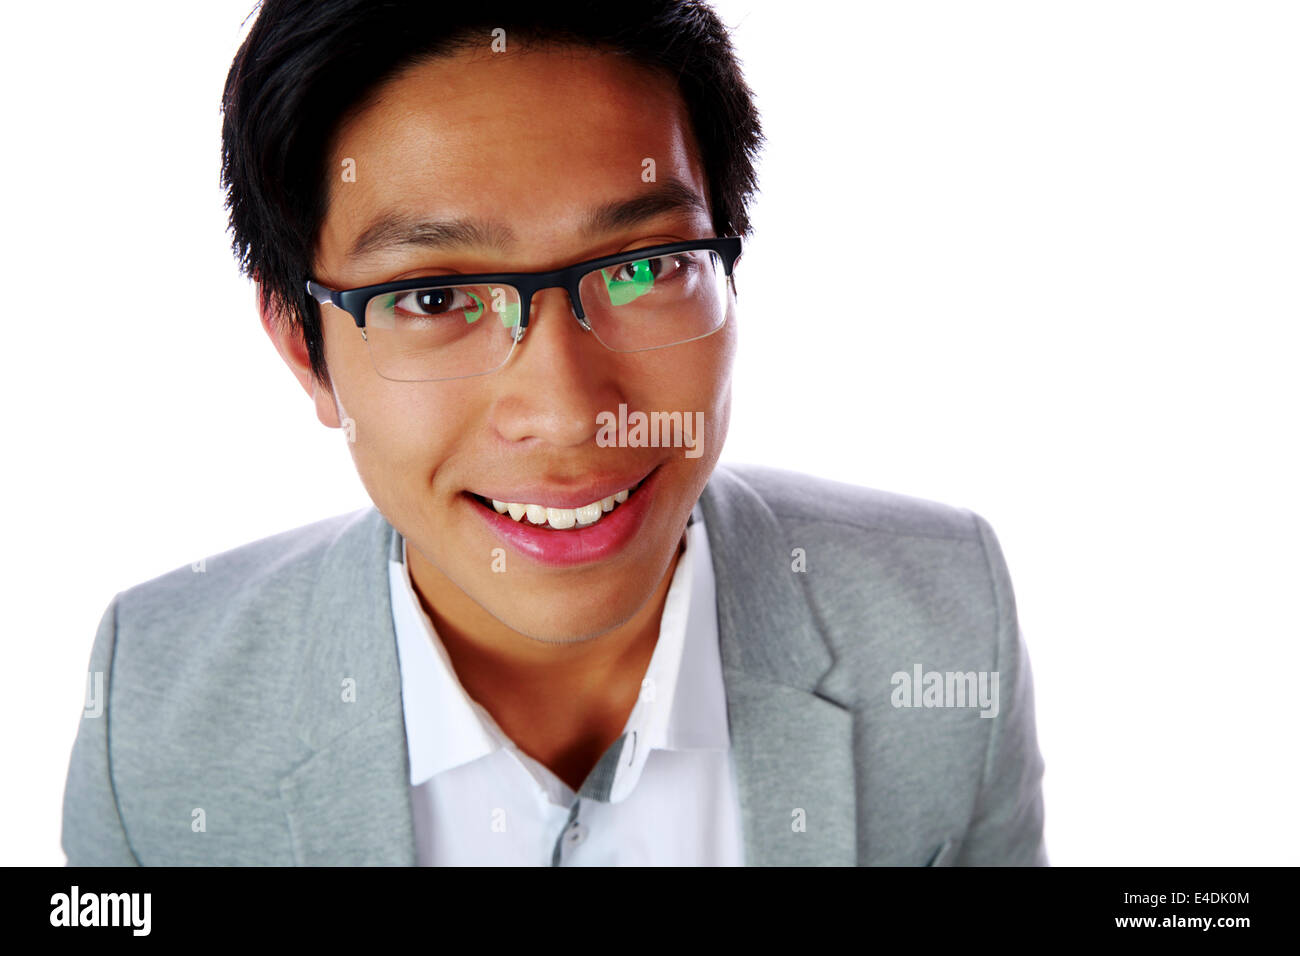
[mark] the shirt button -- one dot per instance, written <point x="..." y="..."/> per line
<point x="576" y="834"/>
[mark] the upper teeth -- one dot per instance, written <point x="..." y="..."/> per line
<point x="561" y="518"/>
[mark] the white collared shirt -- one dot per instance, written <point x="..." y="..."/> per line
<point x="664" y="794"/>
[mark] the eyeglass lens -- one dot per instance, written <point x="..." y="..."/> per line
<point x="454" y="331"/>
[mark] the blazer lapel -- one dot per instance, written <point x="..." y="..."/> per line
<point x="349" y="802"/>
<point x="793" y="747"/>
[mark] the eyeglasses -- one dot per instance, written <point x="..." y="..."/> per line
<point x="438" y="328"/>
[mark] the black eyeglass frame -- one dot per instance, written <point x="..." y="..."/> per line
<point x="354" y="301"/>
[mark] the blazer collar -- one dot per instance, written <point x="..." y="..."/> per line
<point x="793" y="746"/>
<point x="349" y="802"/>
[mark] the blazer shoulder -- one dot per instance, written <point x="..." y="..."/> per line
<point x="796" y="497"/>
<point x="282" y="565"/>
<point x="201" y="672"/>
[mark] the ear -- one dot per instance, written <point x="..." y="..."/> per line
<point x="289" y="343"/>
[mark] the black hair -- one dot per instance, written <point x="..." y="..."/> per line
<point x="306" y="63"/>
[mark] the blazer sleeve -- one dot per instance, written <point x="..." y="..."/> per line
<point x="93" y="834"/>
<point x="1006" y="828"/>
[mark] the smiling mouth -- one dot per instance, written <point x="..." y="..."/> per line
<point x="558" y="519"/>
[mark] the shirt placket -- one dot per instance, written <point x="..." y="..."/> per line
<point x="597" y="787"/>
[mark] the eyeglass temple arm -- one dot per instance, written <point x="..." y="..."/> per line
<point x="321" y="294"/>
<point x="329" y="297"/>
<point x="737" y="244"/>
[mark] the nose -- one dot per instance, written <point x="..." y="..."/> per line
<point x="557" y="385"/>
<point x="543" y="296"/>
<point x="554" y="293"/>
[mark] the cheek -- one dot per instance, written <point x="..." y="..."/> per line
<point x="404" y="432"/>
<point x="715" y="391"/>
<point x="690" y="378"/>
<point x="399" y="433"/>
<point x="404" y="442"/>
<point x="695" y="375"/>
<point x="709" y="381"/>
<point x="724" y="359"/>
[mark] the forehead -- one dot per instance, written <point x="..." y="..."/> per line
<point x="537" y="137"/>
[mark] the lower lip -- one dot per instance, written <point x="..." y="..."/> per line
<point x="576" y="545"/>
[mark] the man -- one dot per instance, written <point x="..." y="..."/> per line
<point x="492" y="246"/>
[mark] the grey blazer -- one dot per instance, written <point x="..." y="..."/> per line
<point x="224" y="740"/>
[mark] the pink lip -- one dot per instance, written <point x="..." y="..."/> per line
<point x="576" y="545"/>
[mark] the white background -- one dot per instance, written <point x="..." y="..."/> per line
<point x="1062" y="240"/>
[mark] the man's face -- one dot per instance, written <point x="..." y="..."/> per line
<point x="537" y="142"/>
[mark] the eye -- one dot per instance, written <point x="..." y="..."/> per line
<point x="658" y="269"/>
<point x="426" y="302"/>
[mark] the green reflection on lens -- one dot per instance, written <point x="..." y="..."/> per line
<point x="473" y="316"/>
<point x="509" y="314"/>
<point x="622" y="291"/>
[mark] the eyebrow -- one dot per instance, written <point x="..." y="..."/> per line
<point x="394" y="230"/>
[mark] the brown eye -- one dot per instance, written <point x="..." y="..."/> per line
<point x="432" y="301"/>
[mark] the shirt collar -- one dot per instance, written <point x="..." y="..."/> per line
<point x="682" y="704"/>
<point x="442" y="728"/>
